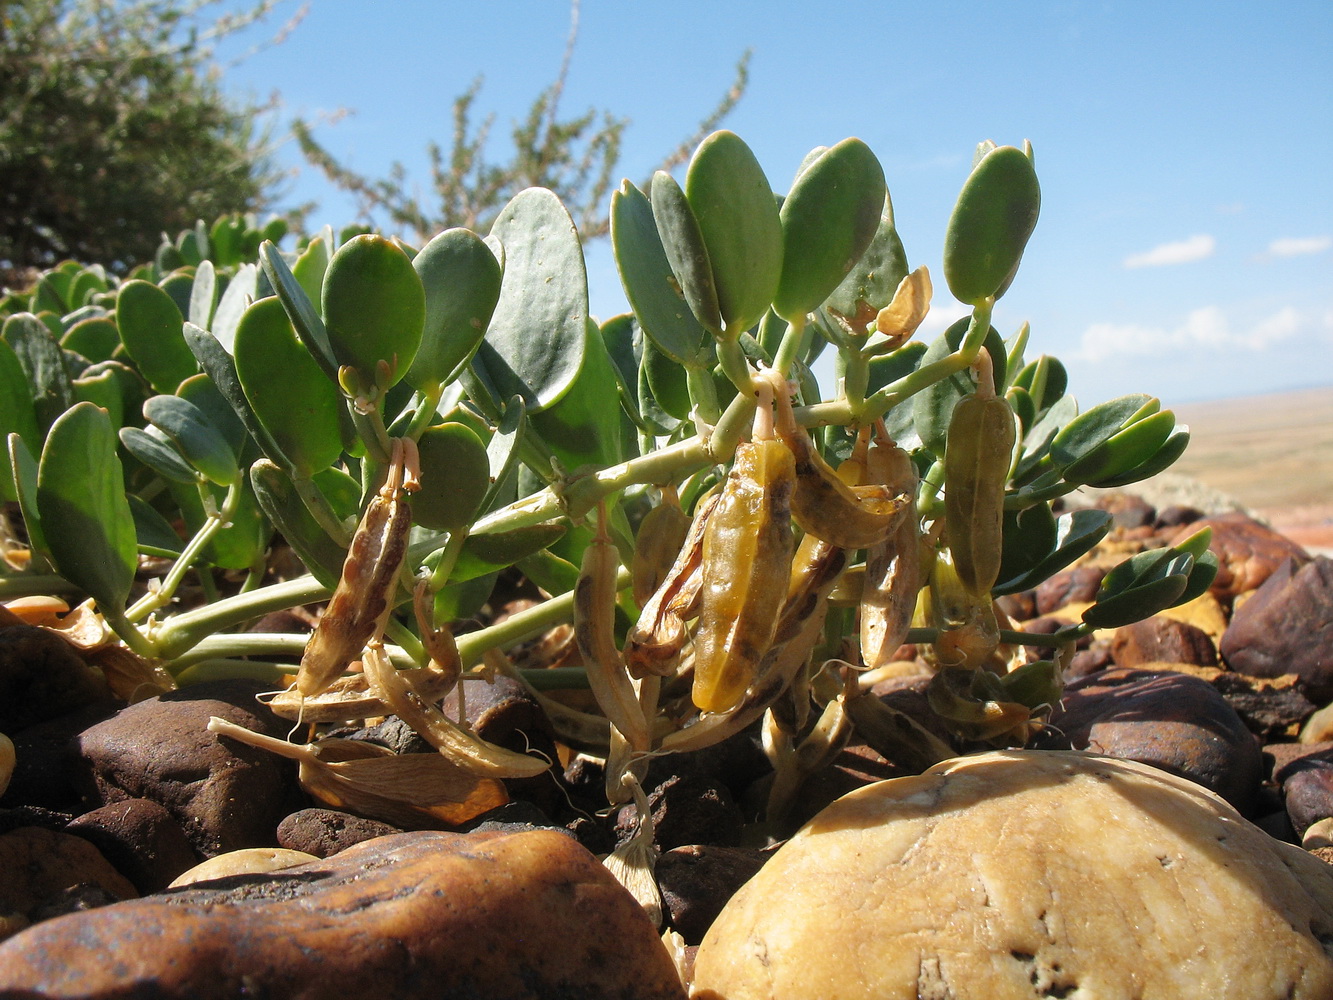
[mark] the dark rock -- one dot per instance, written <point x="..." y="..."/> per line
<point x="1128" y="510"/>
<point x="38" y="816"/>
<point x="225" y="795"/>
<point x="325" y="832"/>
<point x="1085" y="662"/>
<point x="687" y="809"/>
<point x="1020" y="606"/>
<point x="1286" y="627"/>
<point x="514" y="817"/>
<point x="1162" y="640"/>
<point x="1307" y="786"/>
<point x="42" y="677"/>
<point x="1078" y="584"/>
<point x="141" y="838"/>
<point x="410" y="916"/>
<point x="46" y="764"/>
<point x="696" y="882"/>
<point x="393" y="733"/>
<point x="1177" y="722"/>
<point x="1269" y="707"/>
<point x="41" y="867"/>
<point x="75" y="899"/>
<point x="1178" y="515"/>
<point x="1247" y="551"/>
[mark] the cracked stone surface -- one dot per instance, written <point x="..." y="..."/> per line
<point x="1018" y="875"/>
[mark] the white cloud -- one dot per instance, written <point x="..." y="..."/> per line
<point x="941" y="316"/>
<point x="1180" y="252"/>
<point x="1204" y="329"/>
<point x="1295" y="246"/>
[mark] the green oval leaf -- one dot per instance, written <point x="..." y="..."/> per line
<point x="220" y="370"/>
<point x="455" y="476"/>
<point x="650" y="285"/>
<point x="309" y="270"/>
<point x="828" y="220"/>
<point x="583" y="427"/>
<point x="203" y="295"/>
<point x="84" y="513"/>
<point x="1136" y="445"/>
<point x="535" y="344"/>
<point x="96" y="338"/>
<point x="278" y="499"/>
<point x="1166" y="456"/>
<point x="1030" y="535"/>
<point x="1076" y="533"/>
<point x="199" y="442"/>
<point x="502" y="454"/>
<point x="150" y="328"/>
<point x="39" y="355"/>
<point x="374" y="308"/>
<point x="288" y="393"/>
<point x="241" y="291"/>
<point x="683" y="243"/>
<point x="874" y="278"/>
<point x="17" y="415"/>
<point x="154" y="449"/>
<point x="1087" y="432"/>
<point x="23" y="472"/>
<point x="305" y="317"/>
<point x="461" y="278"/>
<point x="483" y="554"/>
<point x="668" y="381"/>
<point x="738" y="218"/>
<point x="992" y="220"/>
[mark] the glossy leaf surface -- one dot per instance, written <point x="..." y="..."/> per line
<point x="149" y="322"/>
<point x="374" y="307"/>
<point x="683" y="243"/>
<point x="455" y="476"/>
<point x="461" y="279"/>
<point x="992" y="220"/>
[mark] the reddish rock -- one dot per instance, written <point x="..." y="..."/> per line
<point x="1068" y="586"/>
<point x="1162" y="640"/>
<point x="225" y="795"/>
<point x="1247" y="551"/>
<point x="42" y="677"/>
<point x="46" y="871"/>
<point x="416" y="915"/>
<point x="696" y="882"/>
<point x="1286" y="627"/>
<point x="1270" y="707"/>
<point x="326" y="832"/>
<point x="141" y="838"/>
<point x="1177" y="722"/>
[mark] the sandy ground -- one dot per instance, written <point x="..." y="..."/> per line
<point x="1273" y="454"/>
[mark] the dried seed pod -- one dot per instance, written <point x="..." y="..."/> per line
<point x="579" y="730"/>
<point x="976" y="467"/>
<point x="825" y="741"/>
<point x="656" y="639"/>
<point x="633" y="862"/>
<point x="246" y="861"/>
<point x="363" y="599"/>
<point x="662" y="533"/>
<point x="350" y="697"/>
<point x="851" y="517"/>
<point x="968" y="633"/>
<point x="464" y="748"/>
<point x="409" y="790"/>
<point x="747" y="553"/>
<point x="594" y="630"/>
<point x="893" y="566"/>
<point x="975" y="705"/>
<point x="911" y="301"/>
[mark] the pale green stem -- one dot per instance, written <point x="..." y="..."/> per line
<point x="318" y="506"/>
<point x="790" y="344"/>
<point x="184" y="631"/>
<point x="44" y="583"/>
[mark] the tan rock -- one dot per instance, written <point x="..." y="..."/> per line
<point x="37" y="865"/>
<point x="1017" y="875"/>
<point x="247" y="861"/>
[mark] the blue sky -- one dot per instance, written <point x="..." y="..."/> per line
<point x="1185" y="149"/>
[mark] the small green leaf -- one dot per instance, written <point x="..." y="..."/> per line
<point x="455" y="476"/>
<point x="309" y="270"/>
<point x="872" y="281"/>
<point x="374" y="308"/>
<point x="154" y="449"/>
<point x="1030" y="535"/>
<point x="650" y="284"/>
<point x="104" y="385"/>
<point x="152" y="532"/>
<point x="23" y="473"/>
<point x="992" y="220"/>
<point x="483" y="554"/>
<point x="1046" y="379"/>
<point x="179" y="285"/>
<point x="738" y="218"/>
<point x="203" y="295"/>
<point x="17" y="415"/>
<point x="462" y="282"/>
<point x="828" y="220"/>
<point x="241" y="291"/>
<point x="39" y="355"/>
<point x="502" y="454"/>
<point x="1087" y="432"/>
<point x="932" y="408"/>
<point x="535" y="344"/>
<point x="280" y="502"/>
<point x="1166" y="456"/>
<point x="305" y="318"/>
<point x="1076" y="533"/>
<point x="581" y="428"/>
<point x="96" y="338"/>
<point x="199" y="442"/>
<point x="220" y="370"/>
<point x="1137" y="445"/>
<point x="150" y="328"/>
<point x="288" y="393"/>
<point x="84" y="512"/>
<point x="204" y="394"/>
<point x="457" y="601"/>
<point x="683" y="243"/>
<point x="668" y="381"/>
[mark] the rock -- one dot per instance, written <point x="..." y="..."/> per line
<point x="414" y="915"/>
<point x="46" y="757"/>
<point x="42" y="676"/>
<point x="1070" y="586"/>
<point x="247" y="861"/>
<point x="49" y="871"/>
<point x="1247" y="551"/>
<point x="141" y="838"/>
<point x="1307" y="785"/>
<point x="1129" y="510"/>
<point x="1162" y="639"/>
<point x="1014" y="875"/>
<point x="1286" y="627"/>
<point x="1177" y="515"/>
<point x="325" y="832"/>
<point x="1271" y="708"/>
<point x="697" y="881"/>
<point x="687" y="809"/>
<point x="1173" y="721"/>
<point x="225" y="795"/>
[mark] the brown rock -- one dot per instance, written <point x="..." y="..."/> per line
<point x="1162" y="639"/>
<point x="1271" y="708"/>
<point x="414" y="915"/>
<point x="1173" y="721"/>
<point x="1070" y="586"/>
<point x="1286" y="627"/>
<point x="325" y="832"/>
<point x="42" y="676"/>
<point x="42" y="867"/>
<point x="687" y="809"/>
<point x="697" y="881"/>
<point x="141" y="838"/>
<point x="1247" y="551"/>
<point x="225" y="795"/>
<point x="45" y="771"/>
